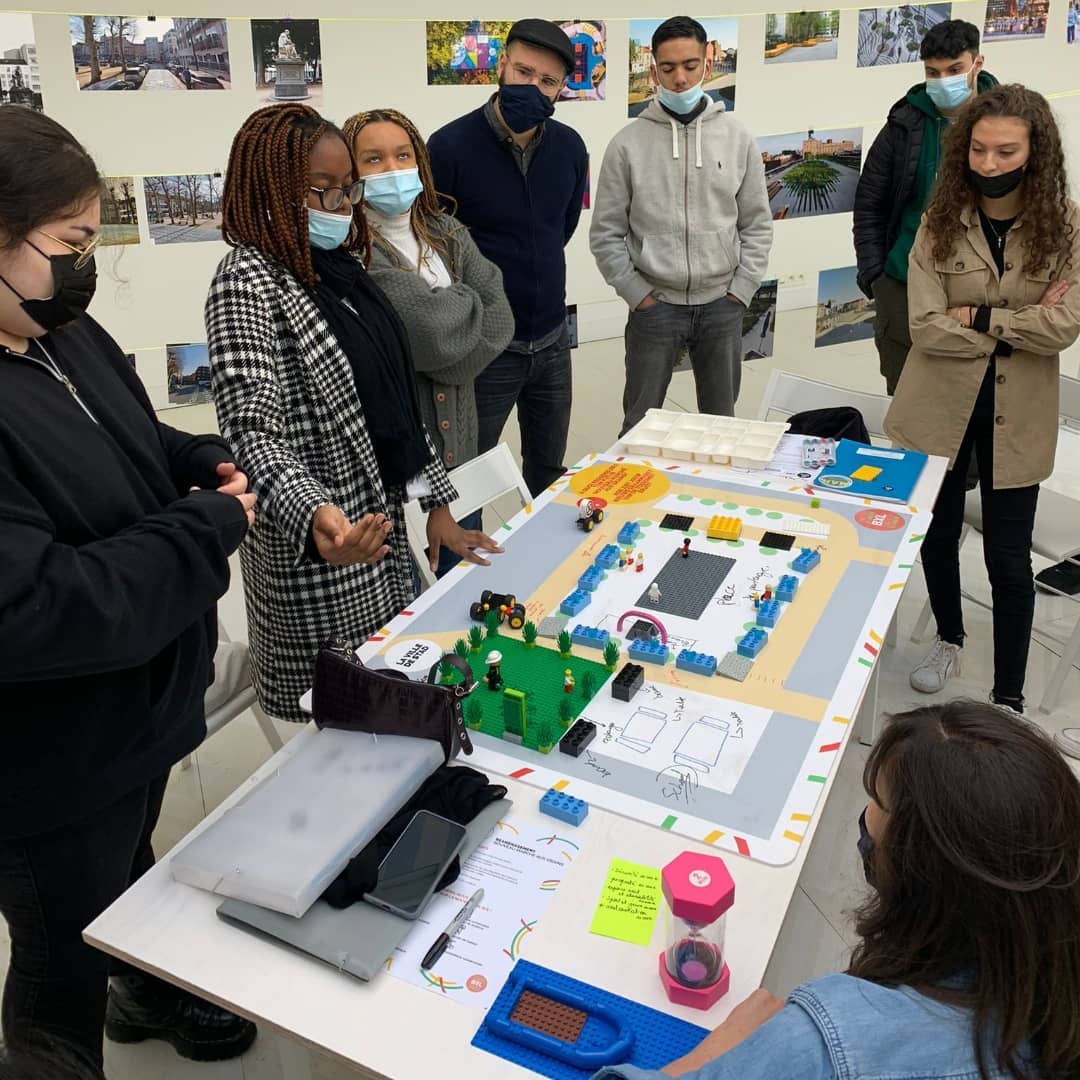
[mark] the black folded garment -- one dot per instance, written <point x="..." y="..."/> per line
<point x="453" y="792"/>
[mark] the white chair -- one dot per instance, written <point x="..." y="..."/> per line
<point x="479" y="483"/>
<point x="1057" y="530"/>
<point x="790" y="394"/>
<point x="233" y="692"/>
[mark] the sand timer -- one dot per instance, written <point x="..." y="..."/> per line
<point x="698" y="890"/>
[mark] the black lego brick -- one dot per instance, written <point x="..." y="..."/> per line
<point x="678" y="522"/>
<point x="779" y="541"/>
<point x="628" y="682"/>
<point x="577" y="738"/>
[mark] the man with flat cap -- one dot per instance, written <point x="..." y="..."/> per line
<point x="518" y="178"/>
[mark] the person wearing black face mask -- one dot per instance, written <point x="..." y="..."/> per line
<point x="994" y="287"/>
<point x="112" y="563"/>
<point x="516" y="177"/>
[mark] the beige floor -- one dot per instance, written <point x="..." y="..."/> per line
<point x="817" y="933"/>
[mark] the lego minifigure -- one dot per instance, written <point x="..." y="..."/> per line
<point x="756" y="597"/>
<point x="654" y="593"/>
<point x="568" y="681"/>
<point x="767" y="594"/>
<point x="640" y="565"/>
<point x="686" y="548"/>
<point x="493" y="678"/>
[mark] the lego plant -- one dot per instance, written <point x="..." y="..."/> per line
<point x="461" y="647"/>
<point x="566" y="712"/>
<point x="528" y="634"/>
<point x="611" y="655"/>
<point x="545" y="737"/>
<point x="491" y="621"/>
<point x="564" y="644"/>
<point x="588" y="685"/>
<point x="474" y="714"/>
<point x="446" y="673"/>
<point x="476" y="639"/>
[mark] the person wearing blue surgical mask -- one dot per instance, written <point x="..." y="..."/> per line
<point x="449" y="297"/>
<point x="312" y="376"/>
<point x="898" y="176"/>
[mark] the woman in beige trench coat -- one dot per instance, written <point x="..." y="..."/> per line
<point x="994" y="292"/>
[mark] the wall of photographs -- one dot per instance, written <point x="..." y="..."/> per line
<point x="158" y="98"/>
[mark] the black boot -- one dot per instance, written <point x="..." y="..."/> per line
<point x="142" y="1007"/>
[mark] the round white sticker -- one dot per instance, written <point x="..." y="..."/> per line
<point x="700" y="878"/>
<point x="414" y="658"/>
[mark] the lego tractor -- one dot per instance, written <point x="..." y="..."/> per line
<point x="590" y="513"/>
<point x="510" y="611"/>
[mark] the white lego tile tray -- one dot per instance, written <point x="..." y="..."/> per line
<point x="722" y="440"/>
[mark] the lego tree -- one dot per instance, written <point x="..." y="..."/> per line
<point x="588" y="684"/>
<point x="476" y="639"/>
<point x="474" y="714"/>
<point x="564" y="643"/>
<point x="611" y="655"/>
<point x="528" y="635"/>
<point x="461" y="647"/>
<point x="545" y="737"/>
<point x="566" y="711"/>
<point x="446" y="673"/>
<point x="491" y="621"/>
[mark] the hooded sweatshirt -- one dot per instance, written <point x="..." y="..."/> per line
<point x="681" y="210"/>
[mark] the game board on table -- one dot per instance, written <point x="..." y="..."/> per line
<point x="784" y="592"/>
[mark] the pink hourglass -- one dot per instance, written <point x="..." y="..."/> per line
<point x="698" y="890"/>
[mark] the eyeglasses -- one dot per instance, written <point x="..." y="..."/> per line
<point x="331" y="198"/>
<point x="527" y="74"/>
<point x="85" y="253"/>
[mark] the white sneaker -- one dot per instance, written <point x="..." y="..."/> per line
<point x="933" y="673"/>
<point x="1068" y="741"/>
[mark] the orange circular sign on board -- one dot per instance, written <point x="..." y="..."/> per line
<point x="619" y="482"/>
<point x="880" y="520"/>
<point x="476" y="983"/>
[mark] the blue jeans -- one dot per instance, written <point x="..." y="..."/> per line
<point x="539" y="382"/>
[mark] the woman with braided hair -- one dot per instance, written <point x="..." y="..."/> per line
<point x="313" y="382"/>
<point x="449" y="296"/>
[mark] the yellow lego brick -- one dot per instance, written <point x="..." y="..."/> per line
<point x="724" y="528"/>
<point x="866" y="472"/>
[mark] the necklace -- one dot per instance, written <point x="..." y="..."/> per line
<point x="998" y="236"/>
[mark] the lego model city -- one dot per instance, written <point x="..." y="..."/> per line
<point x="682" y="645"/>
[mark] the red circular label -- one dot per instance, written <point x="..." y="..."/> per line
<point x="476" y="983"/>
<point x="880" y="520"/>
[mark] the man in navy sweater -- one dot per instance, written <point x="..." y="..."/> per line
<point x="518" y="178"/>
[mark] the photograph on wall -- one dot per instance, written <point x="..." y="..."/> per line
<point x="587" y="82"/>
<point x="119" y="211"/>
<point x="183" y="209"/>
<point x="759" y="322"/>
<point x="893" y="35"/>
<point x="721" y="49"/>
<point x="288" y="60"/>
<point x="796" y="36"/>
<point x="20" y="80"/>
<point x="1015" y="20"/>
<point x="118" y="52"/>
<point x="187" y="371"/>
<point x="1072" y="22"/>
<point x="811" y="172"/>
<point x="843" y="312"/>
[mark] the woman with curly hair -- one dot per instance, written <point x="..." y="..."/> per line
<point x="993" y="283"/>
<point x="449" y="296"/>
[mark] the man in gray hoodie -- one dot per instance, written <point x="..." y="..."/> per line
<point x="682" y="229"/>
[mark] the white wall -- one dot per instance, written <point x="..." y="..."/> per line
<point x="378" y="59"/>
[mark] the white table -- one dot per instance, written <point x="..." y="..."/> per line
<point x="391" y="1029"/>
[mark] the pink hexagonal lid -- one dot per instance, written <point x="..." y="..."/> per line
<point x="697" y="887"/>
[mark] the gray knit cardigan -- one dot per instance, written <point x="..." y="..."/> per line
<point x="454" y="334"/>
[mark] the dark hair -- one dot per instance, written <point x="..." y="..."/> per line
<point x="1046" y="186"/>
<point x="678" y="26"/>
<point x="977" y="879"/>
<point x="264" y="204"/>
<point x="427" y="207"/>
<point x="949" y="39"/>
<point x="44" y="173"/>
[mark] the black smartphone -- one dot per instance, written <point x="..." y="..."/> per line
<point x="412" y="868"/>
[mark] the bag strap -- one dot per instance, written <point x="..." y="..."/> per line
<point x="454" y="661"/>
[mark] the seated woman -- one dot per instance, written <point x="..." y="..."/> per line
<point x="968" y="963"/>
<point x="993" y="296"/>
<point x="449" y="296"/>
<point x="314" y="387"/>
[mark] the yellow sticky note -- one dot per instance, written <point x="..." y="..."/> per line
<point x="628" y="903"/>
<point x="866" y="472"/>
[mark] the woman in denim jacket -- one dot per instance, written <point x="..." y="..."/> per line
<point x="968" y="967"/>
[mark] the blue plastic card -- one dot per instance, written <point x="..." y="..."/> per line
<point x="872" y="472"/>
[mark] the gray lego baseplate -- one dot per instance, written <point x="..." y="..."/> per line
<point x="552" y="625"/>
<point x="687" y="584"/>
<point x="734" y="666"/>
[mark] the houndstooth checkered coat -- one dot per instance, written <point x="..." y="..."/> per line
<point x="287" y="403"/>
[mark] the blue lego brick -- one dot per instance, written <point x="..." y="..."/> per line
<point x="629" y="533"/>
<point x="656" y="1036"/>
<point x="806" y="560"/>
<point x="652" y="651"/>
<point x="590" y="579"/>
<point x="786" y="589"/>
<point x="699" y="662"/>
<point x="563" y="807"/>
<point x="608" y="557"/>
<point x="577" y="601"/>
<point x="589" y="636"/>
<point x="768" y="612"/>
<point x="753" y="642"/>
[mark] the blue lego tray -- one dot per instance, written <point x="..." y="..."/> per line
<point x="898" y="472"/>
<point x="617" y="1031"/>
